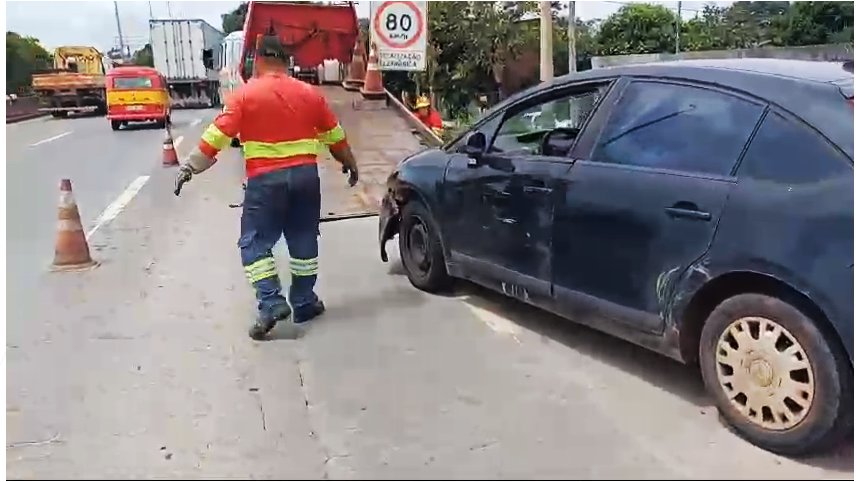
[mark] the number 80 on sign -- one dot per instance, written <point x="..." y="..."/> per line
<point x="398" y="28"/>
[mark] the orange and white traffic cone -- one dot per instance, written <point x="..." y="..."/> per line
<point x="373" y="86"/>
<point x="356" y="69"/>
<point x="72" y="251"/>
<point x="170" y="158"/>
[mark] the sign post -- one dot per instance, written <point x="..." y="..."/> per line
<point x="399" y="29"/>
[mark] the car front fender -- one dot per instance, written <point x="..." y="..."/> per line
<point x="419" y="177"/>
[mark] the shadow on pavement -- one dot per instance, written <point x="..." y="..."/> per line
<point x="663" y="372"/>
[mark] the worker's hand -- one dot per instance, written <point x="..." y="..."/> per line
<point x="353" y="175"/>
<point x="185" y="173"/>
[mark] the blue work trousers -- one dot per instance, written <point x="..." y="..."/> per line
<point x="283" y="202"/>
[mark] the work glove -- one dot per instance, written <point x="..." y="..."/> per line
<point x="353" y="175"/>
<point x="185" y="173"/>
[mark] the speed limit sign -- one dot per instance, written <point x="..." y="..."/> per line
<point x="399" y="31"/>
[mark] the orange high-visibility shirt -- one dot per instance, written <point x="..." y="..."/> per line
<point x="432" y="119"/>
<point x="282" y="122"/>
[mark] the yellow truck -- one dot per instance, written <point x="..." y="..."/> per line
<point x="75" y="84"/>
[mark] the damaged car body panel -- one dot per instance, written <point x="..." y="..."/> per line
<point x="420" y="175"/>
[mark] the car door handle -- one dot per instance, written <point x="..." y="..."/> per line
<point x="536" y="190"/>
<point x="688" y="211"/>
<point x="496" y="193"/>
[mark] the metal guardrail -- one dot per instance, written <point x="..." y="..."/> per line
<point x="424" y="132"/>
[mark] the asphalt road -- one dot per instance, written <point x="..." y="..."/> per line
<point x="101" y="164"/>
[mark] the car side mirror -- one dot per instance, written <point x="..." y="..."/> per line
<point x="475" y="146"/>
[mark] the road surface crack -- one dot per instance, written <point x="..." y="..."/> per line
<point x="54" y="439"/>
<point x="313" y="433"/>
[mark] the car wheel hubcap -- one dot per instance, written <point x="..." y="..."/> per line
<point x="765" y="373"/>
<point x="418" y="246"/>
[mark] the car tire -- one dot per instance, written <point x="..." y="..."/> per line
<point x="758" y="354"/>
<point x="421" y="250"/>
<point x="235" y="142"/>
<point x="115" y="125"/>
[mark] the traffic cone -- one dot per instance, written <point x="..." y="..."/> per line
<point x="373" y="86"/>
<point x="170" y="158"/>
<point x="71" y="252"/>
<point x="356" y="69"/>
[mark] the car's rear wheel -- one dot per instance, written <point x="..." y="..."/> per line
<point x="115" y="125"/>
<point x="421" y="250"/>
<point x="776" y="379"/>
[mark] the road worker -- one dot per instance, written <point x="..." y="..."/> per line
<point x="283" y="125"/>
<point x="428" y="115"/>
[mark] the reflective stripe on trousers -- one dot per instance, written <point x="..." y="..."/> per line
<point x="283" y="202"/>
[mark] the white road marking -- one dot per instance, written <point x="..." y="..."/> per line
<point x="177" y="141"/>
<point x="119" y="204"/>
<point x="497" y="323"/>
<point x="196" y="122"/>
<point x="49" y="139"/>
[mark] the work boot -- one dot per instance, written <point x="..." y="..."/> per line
<point x="267" y="320"/>
<point x="309" y="312"/>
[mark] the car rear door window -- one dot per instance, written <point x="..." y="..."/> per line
<point x="788" y="152"/>
<point x="677" y="127"/>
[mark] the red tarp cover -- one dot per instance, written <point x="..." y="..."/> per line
<point x="311" y="32"/>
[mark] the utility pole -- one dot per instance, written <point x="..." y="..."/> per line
<point x="546" y="42"/>
<point x="678" y="31"/>
<point x="169" y="9"/>
<point x="119" y="28"/>
<point x="572" y="37"/>
<point x="151" y="15"/>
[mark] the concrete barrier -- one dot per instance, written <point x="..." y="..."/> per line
<point x="22" y="108"/>
<point x="827" y="52"/>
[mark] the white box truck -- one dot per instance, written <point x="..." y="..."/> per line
<point x="185" y="52"/>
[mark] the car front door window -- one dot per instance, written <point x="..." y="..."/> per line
<point x="522" y="132"/>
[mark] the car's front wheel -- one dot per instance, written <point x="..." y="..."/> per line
<point x="776" y="379"/>
<point x="421" y="250"/>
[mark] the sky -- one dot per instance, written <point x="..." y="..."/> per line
<point x="57" y="23"/>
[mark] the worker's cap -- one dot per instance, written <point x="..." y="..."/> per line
<point x="272" y="47"/>
<point x="422" y="102"/>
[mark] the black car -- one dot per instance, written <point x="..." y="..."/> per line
<point x="702" y="209"/>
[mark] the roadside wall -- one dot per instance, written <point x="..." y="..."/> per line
<point x="829" y="52"/>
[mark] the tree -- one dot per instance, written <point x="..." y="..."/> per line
<point x="234" y="20"/>
<point x="811" y="23"/>
<point x="638" y="29"/>
<point x="144" y="56"/>
<point x="24" y="55"/>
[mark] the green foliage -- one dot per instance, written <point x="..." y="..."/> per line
<point x="642" y="28"/>
<point x="234" y="20"/>
<point x="24" y="55"/>
<point x="811" y="23"/>
<point x="638" y="28"/>
<point x="144" y="56"/>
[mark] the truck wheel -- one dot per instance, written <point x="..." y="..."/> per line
<point x="421" y="250"/>
<point x="235" y="142"/>
<point x="115" y="125"/>
<point x="776" y="379"/>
